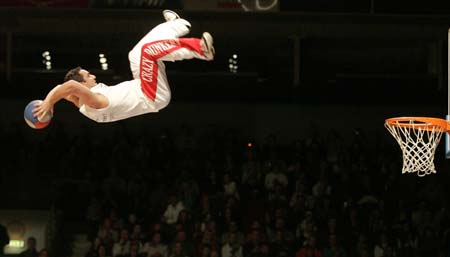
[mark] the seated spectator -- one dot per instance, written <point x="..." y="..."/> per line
<point x="334" y="249"/>
<point x="131" y="222"/>
<point x="230" y="188"/>
<point x="252" y="241"/>
<point x="102" y="251"/>
<point x="205" y="250"/>
<point x="232" y="228"/>
<point x="93" y="250"/>
<point x="187" y="244"/>
<point x="156" y="228"/>
<point x="232" y="248"/>
<point x="184" y="219"/>
<point x="178" y="251"/>
<point x="275" y="176"/>
<point x="282" y="244"/>
<point x="137" y="234"/>
<point x="381" y="245"/>
<point x="280" y="227"/>
<point x="306" y="228"/>
<point x="107" y="234"/>
<point x="205" y="222"/>
<point x="134" y="251"/>
<point x="208" y="237"/>
<point x="263" y="250"/>
<point x="31" y="248"/>
<point x="122" y="246"/>
<point x="155" y="248"/>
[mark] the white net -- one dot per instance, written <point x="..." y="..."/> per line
<point x="418" y="142"/>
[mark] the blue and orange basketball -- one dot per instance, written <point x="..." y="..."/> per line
<point x="32" y="121"/>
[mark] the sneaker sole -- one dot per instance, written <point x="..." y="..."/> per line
<point x="170" y="12"/>
<point x="208" y="39"/>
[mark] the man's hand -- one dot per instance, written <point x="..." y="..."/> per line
<point x="43" y="109"/>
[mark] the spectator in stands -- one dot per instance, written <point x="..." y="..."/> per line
<point x="282" y="244"/>
<point x="252" y="241"/>
<point x="4" y="238"/>
<point x="102" y="251"/>
<point x="187" y="244"/>
<point x="131" y="222"/>
<point x="232" y="248"/>
<point x="107" y="234"/>
<point x="208" y="237"/>
<point x="205" y="251"/>
<point x="275" y="176"/>
<point x="251" y="174"/>
<point x="137" y="234"/>
<point x="93" y="249"/>
<point x="184" y="219"/>
<point x="232" y="229"/>
<point x="122" y="246"/>
<point x="178" y="251"/>
<point x="230" y="188"/>
<point x="321" y="188"/>
<point x="173" y="209"/>
<point x="117" y="221"/>
<point x="31" y="250"/>
<point x="205" y="221"/>
<point x="155" y="248"/>
<point x="265" y="250"/>
<point x="134" y="250"/>
<point x="306" y="228"/>
<point x="334" y="249"/>
<point x="226" y="218"/>
<point x="156" y="228"/>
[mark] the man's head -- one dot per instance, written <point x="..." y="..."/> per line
<point x="31" y="242"/>
<point x="81" y="75"/>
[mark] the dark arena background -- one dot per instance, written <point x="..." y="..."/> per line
<point x="276" y="148"/>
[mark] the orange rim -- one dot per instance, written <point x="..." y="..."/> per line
<point x="425" y="123"/>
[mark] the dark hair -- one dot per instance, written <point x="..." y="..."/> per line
<point x="74" y="74"/>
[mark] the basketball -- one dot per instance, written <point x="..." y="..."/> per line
<point x="32" y="121"/>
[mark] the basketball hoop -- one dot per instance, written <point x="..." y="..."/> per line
<point x="418" y="138"/>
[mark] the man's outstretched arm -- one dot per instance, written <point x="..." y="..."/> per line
<point x="70" y="90"/>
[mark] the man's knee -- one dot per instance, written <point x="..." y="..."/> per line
<point x="164" y="101"/>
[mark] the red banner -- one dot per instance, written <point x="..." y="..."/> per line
<point x="45" y="3"/>
<point x="233" y="5"/>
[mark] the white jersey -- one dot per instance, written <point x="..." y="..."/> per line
<point x="125" y="100"/>
<point x="149" y="91"/>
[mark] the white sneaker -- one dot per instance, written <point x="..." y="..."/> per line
<point x="170" y="15"/>
<point x="208" y="48"/>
